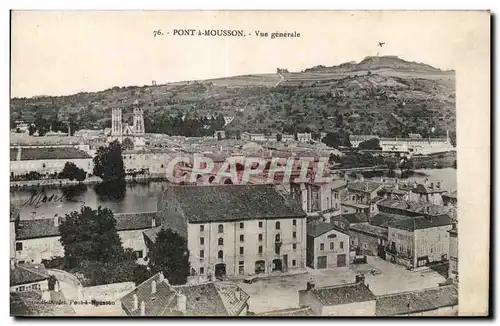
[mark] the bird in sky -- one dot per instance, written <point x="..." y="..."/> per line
<point x="381" y="44"/>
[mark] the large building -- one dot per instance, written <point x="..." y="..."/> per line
<point x="236" y="229"/>
<point x="327" y="245"/>
<point x="131" y="137"/>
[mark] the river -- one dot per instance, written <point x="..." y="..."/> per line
<point x="138" y="197"/>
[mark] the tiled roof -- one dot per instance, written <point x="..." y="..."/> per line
<point x="48" y="153"/>
<point x="160" y="303"/>
<point x="202" y="300"/>
<point x="452" y="194"/>
<point x="317" y="228"/>
<point x="235" y="202"/>
<point x="368" y="228"/>
<point x="151" y="233"/>
<point x="343" y="294"/>
<point x="302" y="311"/>
<point x="136" y="221"/>
<point x="41" y="228"/>
<point x="385" y="219"/>
<point x="426" y="189"/>
<point x="363" y="186"/>
<point x="422" y="222"/>
<point x="24" y="273"/>
<point x="415" y="207"/>
<point x="355" y="217"/>
<point x="417" y="301"/>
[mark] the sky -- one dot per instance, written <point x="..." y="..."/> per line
<point x="66" y="52"/>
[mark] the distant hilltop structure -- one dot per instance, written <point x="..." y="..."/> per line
<point x="281" y="71"/>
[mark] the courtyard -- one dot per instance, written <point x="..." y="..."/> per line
<point x="383" y="277"/>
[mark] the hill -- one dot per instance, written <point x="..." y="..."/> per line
<point x="383" y="95"/>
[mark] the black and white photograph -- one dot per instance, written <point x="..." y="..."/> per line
<point x="248" y="163"/>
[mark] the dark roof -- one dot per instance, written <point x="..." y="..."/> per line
<point x="355" y="217"/>
<point x="422" y="222"/>
<point x="417" y="301"/>
<point x="427" y="189"/>
<point x="302" y="311"/>
<point x="24" y="274"/>
<point x="363" y="186"/>
<point x="413" y="208"/>
<point x="157" y="304"/>
<point x="135" y="221"/>
<point x="48" y="153"/>
<point x="343" y="294"/>
<point x="14" y="212"/>
<point x="41" y="228"/>
<point x="235" y="202"/>
<point x="317" y="228"/>
<point x="385" y="219"/>
<point x="369" y="229"/>
<point x="203" y="300"/>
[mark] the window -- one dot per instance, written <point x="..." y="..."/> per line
<point x="21" y="288"/>
<point x="202" y="228"/>
<point x="294" y="246"/>
<point x="202" y="253"/>
<point x="260" y="237"/>
<point x="260" y="249"/>
<point x="242" y="238"/>
<point x="220" y="254"/>
<point x="260" y="224"/>
<point x="332" y="245"/>
<point x="294" y="222"/>
<point x="241" y="225"/>
<point x="277" y="237"/>
<point x="294" y="262"/>
<point x="277" y="248"/>
<point x="241" y="267"/>
<point x="341" y="244"/>
<point x="294" y="235"/>
<point x="278" y="226"/>
<point x="202" y="270"/>
<point x="221" y="228"/>
<point x="202" y="241"/>
<point x="19" y="246"/>
<point x="138" y="254"/>
<point x="241" y="250"/>
<point x="352" y="242"/>
<point x="321" y="246"/>
<point x="221" y="242"/>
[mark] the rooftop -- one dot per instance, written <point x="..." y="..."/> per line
<point x="27" y="273"/>
<point x="417" y="301"/>
<point x="369" y="229"/>
<point x="48" y="153"/>
<point x="409" y="206"/>
<point x="31" y="304"/>
<point x="302" y="311"/>
<point x="363" y="186"/>
<point x="422" y="222"/>
<point x="317" y="228"/>
<point x="343" y="294"/>
<point x="234" y="202"/>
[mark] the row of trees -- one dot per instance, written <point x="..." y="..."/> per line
<point x="93" y="249"/>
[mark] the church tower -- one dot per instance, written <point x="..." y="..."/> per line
<point x="138" y="126"/>
<point x="116" y="122"/>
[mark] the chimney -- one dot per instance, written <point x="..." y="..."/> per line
<point x="360" y="278"/>
<point x="136" y="303"/>
<point x="153" y="222"/>
<point x="143" y="308"/>
<point x="310" y="285"/>
<point x="56" y="220"/>
<point x="161" y="277"/>
<point x="181" y="302"/>
<point x="153" y="287"/>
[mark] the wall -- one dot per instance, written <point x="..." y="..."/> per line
<point x="453" y="256"/>
<point x="51" y="166"/>
<point x="331" y="255"/>
<point x="368" y="243"/>
<point x="433" y="242"/>
<point x="443" y="311"/>
<point x="134" y="239"/>
<point x="403" y="240"/>
<point x="170" y="213"/>
<point x="154" y="162"/>
<point x="44" y="286"/>
<point x="251" y="243"/>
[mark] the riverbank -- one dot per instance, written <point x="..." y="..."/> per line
<point x="56" y="183"/>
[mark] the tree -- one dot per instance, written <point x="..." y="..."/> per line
<point x="371" y="144"/>
<point x="170" y="255"/>
<point x="90" y="235"/>
<point x="72" y="172"/>
<point x="279" y="137"/>
<point x="108" y="162"/>
<point x="337" y="139"/>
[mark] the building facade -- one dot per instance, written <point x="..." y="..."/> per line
<point x="453" y="252"/>
<point x="327" y="246"/>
